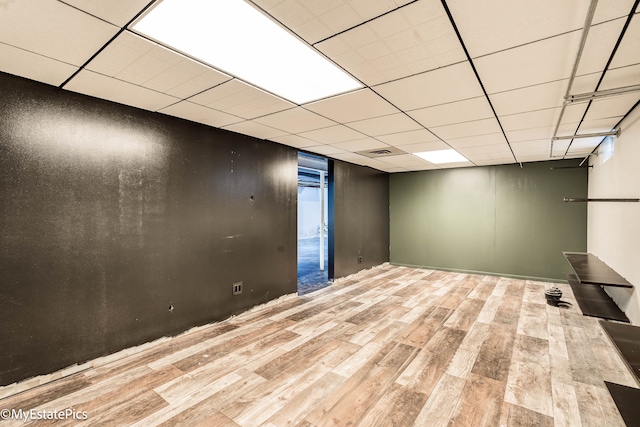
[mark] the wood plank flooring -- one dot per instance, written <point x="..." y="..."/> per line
<point x="390" y="346"/>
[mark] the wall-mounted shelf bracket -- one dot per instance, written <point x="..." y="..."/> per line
<point x="570" y="167"/>
<point x="615" y="132"/>
<point x="589" y="96"/>
<point x="569" y="199"/>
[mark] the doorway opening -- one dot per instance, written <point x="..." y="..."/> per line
<point x="314" y="223"/>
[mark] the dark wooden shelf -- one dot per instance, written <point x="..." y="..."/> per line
<point x="589" y="269"/>
<point x="627" y="339"/>
<point x="594" y="301"/>
<point x="626" y="399"/>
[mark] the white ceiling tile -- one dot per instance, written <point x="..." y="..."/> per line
<point x="412" y="137"/>
<point x="291" y="13"/>
<point x="358" y="37"/>
<point x="53" y="29"/>
<point x="358" y="105"/>
<point x="598" y="125"/>
<point x="186" y="79"/>
<point x="361" y="144"/>
<point x="612" y="9"/>
<point x="573" y="114"/>
<point x="536" y="133"/>
<point x="313" y="30"/>
<point x="384" y="125"/>
<point x="462" y="130"/>
<point x="295" y="120"/>
<point x="425" y="167"/>
<point x="600" y="43"/>
<point x="482" y="160"/>
<point x="495" y="161"/>
<point x="495" y="25"/>
<point x="545" y="132"/>
<point x="560" y="148"/>
<point x="539" y="97"/>
<point x="528" y="149"/>
<point x="377" y="164"/>
<point x="139" y="61"/>
<point x="584" y="83"/>
<point x="405" y="160"/>
<point x="197" y="113"/>
<point x="313" y="20"/>
<point x="474" y="141"/>
<point x="522" y="66"/>
<point x="368" y="9"/>
<point x="340" y="18"/>
<point x="533" y="158"/>
<point x="492" y="150"/>
<point x="240" y="99"/>
<point x="336" y="46"/>
<point x="325" y="149"/>
<point x="488" y="154"/>
<point x="254" y="129"/>
<point x="619" y="77"/>
<point x="94" y="84"/>
<point x="118" y="12"/>
<point x="448" y="84"/>
<point x="332" y="135"/>
<point x="628" y="52"/>
<point x="121" y="53"/>
<point x="424" y="146"/>
<point x="584" y="145"/>
<point x="149" y="65"/>
<point x="523" y="53"/>
<point x="454" y="112"/>
<point x="541" y="118"/>
<point x="294" y="141"/>
<point x="33" y="66"/>
<point x="351" y="157"/>
<point x="530" y="119"/>
<point x="394" y="169"/>
<point x="412" y="39"/>
<point x="612" y="107"/>
<point x="456" y="165"/>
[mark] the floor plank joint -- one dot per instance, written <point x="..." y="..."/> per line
<point x="388" y="346"/>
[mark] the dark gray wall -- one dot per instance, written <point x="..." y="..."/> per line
<point x="495" y="219"/>
<point x="110" y="214"/>
<point x="360" y="217"/>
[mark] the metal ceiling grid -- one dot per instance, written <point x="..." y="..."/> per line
<point x="488" y="79"/>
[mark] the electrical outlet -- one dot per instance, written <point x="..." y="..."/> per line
<point x="237" y="288"/>
<point x="359" y="259"/>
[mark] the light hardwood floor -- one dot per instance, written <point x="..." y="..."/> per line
<point x="391" y="346"/>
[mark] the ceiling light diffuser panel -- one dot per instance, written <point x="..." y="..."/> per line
<point x="439" y="157"/>
<point x="234" y="37"/>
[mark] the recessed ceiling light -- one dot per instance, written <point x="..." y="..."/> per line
<point x="234" y="37"/>
<point x="442" y="156"/>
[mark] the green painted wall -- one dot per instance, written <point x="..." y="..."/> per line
<point x="494" y="219"/>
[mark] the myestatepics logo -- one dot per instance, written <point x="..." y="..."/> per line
<point x="33" y="415"/>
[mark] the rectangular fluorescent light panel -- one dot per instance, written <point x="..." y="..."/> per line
<point x="234" y="37"/>
<point x="442" y="156"/>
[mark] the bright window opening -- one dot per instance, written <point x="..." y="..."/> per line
<point x="606" y="149"/>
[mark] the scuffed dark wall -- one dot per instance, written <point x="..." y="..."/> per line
<point x="109" y="215"/>
<point x="361" y="218"/>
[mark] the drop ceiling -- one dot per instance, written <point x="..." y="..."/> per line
<point x="487" y="79"/>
